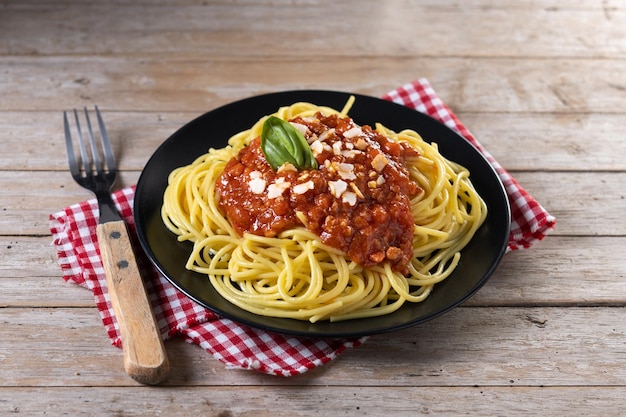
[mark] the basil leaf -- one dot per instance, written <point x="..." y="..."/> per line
<point x="281" y="143"/>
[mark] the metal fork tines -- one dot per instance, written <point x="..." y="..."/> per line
<point x="96" y="170"/>
<point x="145" y="358"/>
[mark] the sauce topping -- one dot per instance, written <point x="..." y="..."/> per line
<point x="358" y="200"/>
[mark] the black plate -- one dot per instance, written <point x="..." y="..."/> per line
<point x="479" y="259"/>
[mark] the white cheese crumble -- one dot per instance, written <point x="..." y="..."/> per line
<point x="257" y="185"/>
<point x="287" y="166"/>
<point x="337" y="147"/>
<point x="375" y="183"/>
<point x="350" y="153"/>
<point x="361" y="144"/>
<point x="379" y="162"/>
<point x="311" y="138"/>
<point x="304" y="187"/>
<point x="353" y="132"/>
<point x="301" y="128"/>
<point x="337" y="188"/>
<point x="349" y="197"/>
<point x="317" y="147"/>
<point x="326" y="134"/>
<point x="346" y="171"/>
<point x="277" y="189"/>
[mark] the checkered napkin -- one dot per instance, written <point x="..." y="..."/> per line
<point x="236" y="345"/>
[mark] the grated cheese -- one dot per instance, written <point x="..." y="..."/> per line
<point x="287" y="166"/>
<point x="301" y="128"/>
<point x="257" y="185"/>
<point x="326" y="134"/>
<point x="350" y="153"/>
<point x="317" y="147"/>
<point x="337" y="147"/>
<point x="277" y="188"/>
<point x="361" y="144"/>
<point x="379" y="162"/>
<point x="349" y="197"/>
<point x="337" y="188"/>
<point x="353" y="132"/>
<point x="304" y="187"/>
<point x="346" y="171"/>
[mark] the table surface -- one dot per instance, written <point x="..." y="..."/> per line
<point x="541" y="83"/>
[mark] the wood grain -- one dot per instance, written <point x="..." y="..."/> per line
<point x="300" y="401"/>
<point x="542" y="85"/>
<point x="507" y="347"/>
<point x="374" y="28"/>
<point x="145" y="358"/>
<point x="199" y="83"/>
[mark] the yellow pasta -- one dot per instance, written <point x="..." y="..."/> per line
<point x="294" y="274"/>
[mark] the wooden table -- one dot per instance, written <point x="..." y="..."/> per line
<point x="542" y="84"/>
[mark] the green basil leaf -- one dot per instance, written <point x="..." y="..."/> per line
<point x="281" y="143"/>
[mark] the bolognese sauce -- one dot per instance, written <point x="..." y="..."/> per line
<point x="358" y="200"/>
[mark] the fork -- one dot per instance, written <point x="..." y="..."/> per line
<point x="145" y="358"/>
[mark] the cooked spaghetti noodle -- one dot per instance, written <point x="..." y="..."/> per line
<point x="293" y="267"/>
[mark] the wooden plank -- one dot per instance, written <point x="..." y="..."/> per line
<point x="28" y="198"/>
<point x="576" y="270"/>
<point x="548" y="142"/>
<point x="585" y="203"/>
<point x="443" y="4"/>
<point x="289" y="401"/>
<point x="35" y="140"/>
<point x="519" y="141"/>
<point x="575" y="199"/>
<point x="22" y="257"/>
<point x="37" y="291"/>
<point x="147" y="83"/>
<point x="544" y="275"/>
<point x="505" y="347"/>
<point x="373" y="29"/>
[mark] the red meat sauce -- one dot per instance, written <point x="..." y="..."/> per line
<point x="358" y="200"/>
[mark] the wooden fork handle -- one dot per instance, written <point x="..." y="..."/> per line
<point x="145" y="358"/>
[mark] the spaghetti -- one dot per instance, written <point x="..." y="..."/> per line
<point x="378" y="223"/>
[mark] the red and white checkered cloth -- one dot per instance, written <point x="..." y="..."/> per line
<point x="236" y="345"/>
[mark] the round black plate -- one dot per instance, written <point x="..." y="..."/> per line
<point x="479" y="259"/>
